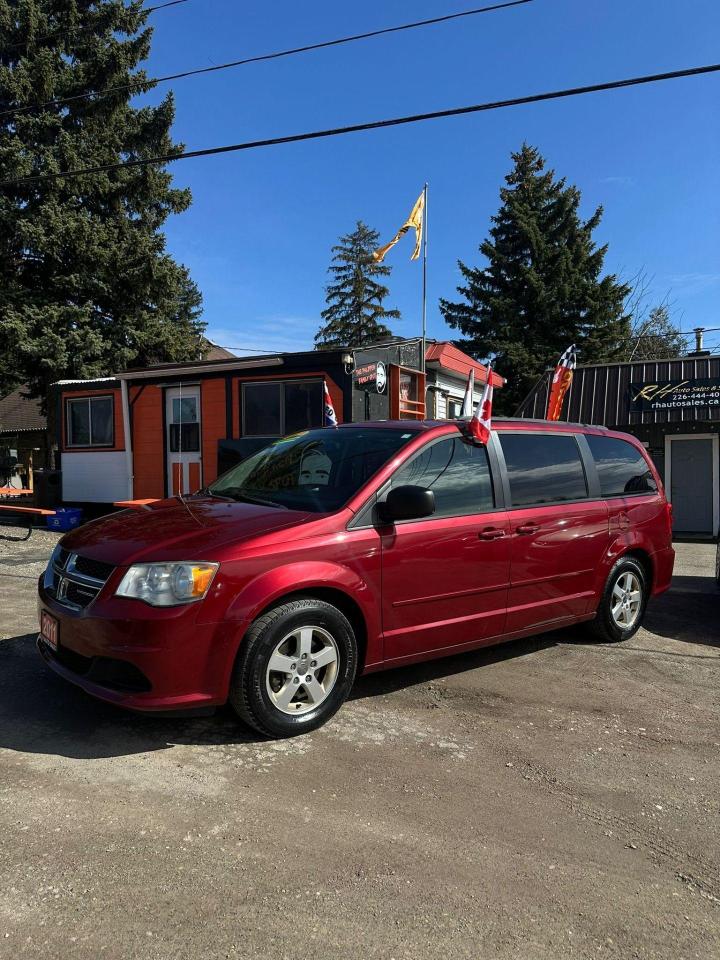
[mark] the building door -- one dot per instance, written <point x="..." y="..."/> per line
<point x="182" y="440"/>
<point x="691" y="485"/>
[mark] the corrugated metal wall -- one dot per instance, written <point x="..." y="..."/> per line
<point x="601" y="394"/>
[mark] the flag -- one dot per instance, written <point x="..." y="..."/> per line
<point x="330" y="415"/>
<point x="413" y="222"/>
<point x="480" y="424"/>
<point x="562" y="378"/>
<point x="467" y="404"/>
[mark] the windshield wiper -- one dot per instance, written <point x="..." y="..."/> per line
<point x="207" y="492"/>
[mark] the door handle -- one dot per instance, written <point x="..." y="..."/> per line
<point x="624" y="521"/>
<point x="526" y="528"/>
<point x="491" y="533"/>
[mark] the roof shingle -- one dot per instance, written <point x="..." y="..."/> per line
<point x="18" y="413"/>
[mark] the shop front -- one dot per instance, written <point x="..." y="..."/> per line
<point x="673" y="407"/>
<point x="173" y="428"/>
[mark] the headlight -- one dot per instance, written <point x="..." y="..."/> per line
<point x="167" y="584"/>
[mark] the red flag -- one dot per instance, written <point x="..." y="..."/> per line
<point x="467" y="404"/>
<point x="562" y="378"/>
<point x="480" y="424"/>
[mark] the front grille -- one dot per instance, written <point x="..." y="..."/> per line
<point x="92" y="568"/>
<point x="79" y="594"/>
<point x="75" y="581"/>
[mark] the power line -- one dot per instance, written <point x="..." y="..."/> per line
<point x="161" y="6"/>
<point x="630" y="339"/>
<point x="154" y="81"/>
<point x="372" y="125"/>
<point x="65" y="31"/>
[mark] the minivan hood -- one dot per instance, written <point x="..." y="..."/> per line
<point x="175" y="530"/>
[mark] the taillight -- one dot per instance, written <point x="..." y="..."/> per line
<point x="669" y="515"/>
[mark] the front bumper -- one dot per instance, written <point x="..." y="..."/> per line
<point x="151" y="659"/>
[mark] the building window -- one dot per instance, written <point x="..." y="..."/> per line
<point x="454" y="409"/>
<point x="543" y="468"/>
<point x="90" y="422"/>
<point x="621" y="467"/>
<point x="458" y="474"/>
<point x="185" y="426"/>
<point x="279" y="407"/>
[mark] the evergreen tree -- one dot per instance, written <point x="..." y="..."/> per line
<point x="86" y="284"/>
<point x="541" y="289"/>
<point x="355" y="313"/>
<point x="656" y="338"/>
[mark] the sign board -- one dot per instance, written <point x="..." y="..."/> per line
<point x="370" y="375"/>
<point x="674" y="395"/>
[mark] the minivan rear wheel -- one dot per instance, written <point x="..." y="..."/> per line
<point x="295" y="668"/>
<point x="623" y="602"/>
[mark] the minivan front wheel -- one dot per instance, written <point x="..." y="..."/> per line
<point x="295" y="668"/>
<point x="623" y="602"/>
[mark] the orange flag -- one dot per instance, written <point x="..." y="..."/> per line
<point x="413" y="222"/>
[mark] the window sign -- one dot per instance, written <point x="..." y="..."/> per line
<point x="674" y="395"/>
<point x="408" y="386"/>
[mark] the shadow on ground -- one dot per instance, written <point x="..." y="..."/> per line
<point x="688" y="612"/>
<point x="40" y="713"/>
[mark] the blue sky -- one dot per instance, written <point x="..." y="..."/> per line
<point x="257" y="238"/>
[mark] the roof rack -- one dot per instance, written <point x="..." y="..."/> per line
<point x="560" y="423"/>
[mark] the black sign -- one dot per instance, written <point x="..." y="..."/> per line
<point x="370" y="375"/>
<point x="674" y="395"/>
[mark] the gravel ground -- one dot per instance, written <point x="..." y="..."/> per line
<point x="548" y="798"/>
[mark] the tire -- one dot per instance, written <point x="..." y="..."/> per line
<point x="717" y="564"/>
<point x="621" y="612"/>
<point x="295" y="641"/>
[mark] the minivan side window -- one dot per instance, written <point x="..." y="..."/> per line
<point x="543" y="468"/>
<point x="457" y="472"/>
<point x="621" y="468"/>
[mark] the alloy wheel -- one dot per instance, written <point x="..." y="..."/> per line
<point x="626" y="600"/>
<point x="302" y="670"/>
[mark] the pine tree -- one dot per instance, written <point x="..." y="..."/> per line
<point x="355" y="313"/>
<point x="541" y="289"/>
<point x="86" y="284"/>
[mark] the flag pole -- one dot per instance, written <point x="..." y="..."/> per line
<point x="424" y="275"/>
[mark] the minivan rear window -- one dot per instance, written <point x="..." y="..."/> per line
<point x="543" y="468"/>
<point x="621" y="468"/>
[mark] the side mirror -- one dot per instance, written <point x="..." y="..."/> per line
<point x="406" y="503"/>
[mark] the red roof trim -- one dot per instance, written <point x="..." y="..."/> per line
<point x="448" y="356"/>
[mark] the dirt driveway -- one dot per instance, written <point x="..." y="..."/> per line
<point x="551" y="798"/>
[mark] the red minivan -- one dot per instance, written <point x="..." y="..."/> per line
<point x="342" y="551"/>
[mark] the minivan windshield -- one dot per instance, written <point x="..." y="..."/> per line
<point x="317" y="470"/>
